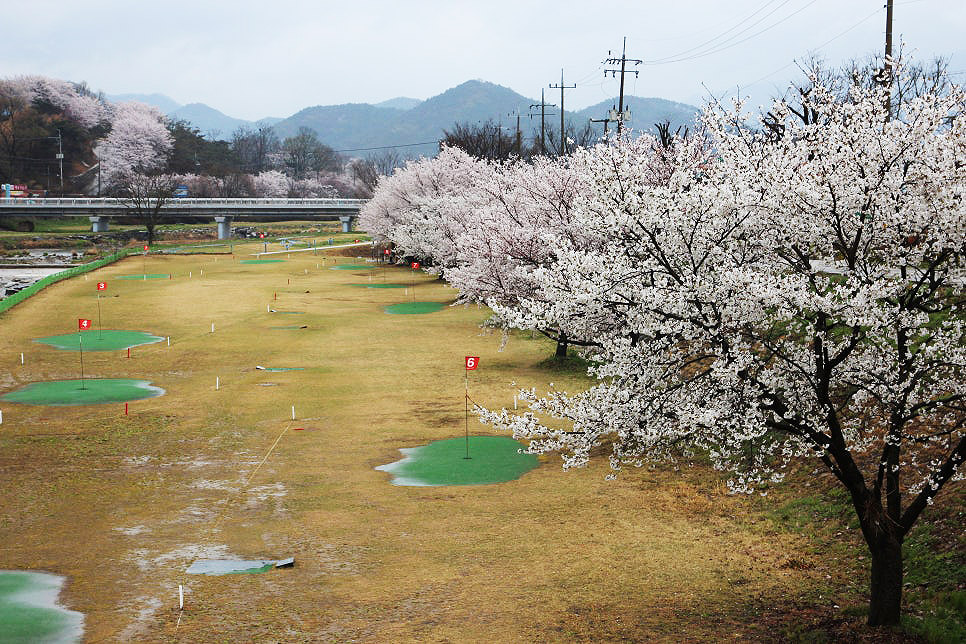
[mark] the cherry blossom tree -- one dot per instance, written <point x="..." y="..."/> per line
<point x="421" y="209"/>
<point x="799" y="297"/>
<point x="270" y="183"/>
<point x="138" y="143"/>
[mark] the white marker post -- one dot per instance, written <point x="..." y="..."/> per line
<point x="212" y="327"/>
<point x="514" y="402"/>
<point x="1" y="416"/>
<point x="293" y="412"/>
<point x="21" y="358"/>
<point x="180" y="597"/>
<point x="217" y="383"/>
<point x="169" y="340"/>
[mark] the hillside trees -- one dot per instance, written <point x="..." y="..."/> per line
<point x="798" y="297"/>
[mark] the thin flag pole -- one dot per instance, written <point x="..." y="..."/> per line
<point x="466" y="401"/>
<point x="100" y="327"/>
<point x="80" y="343"/>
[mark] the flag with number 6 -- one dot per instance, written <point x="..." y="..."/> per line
<point x="472" y="362"/>
<point x="83" y="325"/>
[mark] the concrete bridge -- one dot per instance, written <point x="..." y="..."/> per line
<point x="101" y="209"/>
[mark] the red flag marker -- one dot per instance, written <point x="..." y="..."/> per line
<point x="415" y="266"/>
<point x="385" y="252"/>
<point x="83" y="325"/>
<point x="472" y="362"/>
<point x="145" y="247"/>
<point x="125" y="409"/>
<point x="102" y="286"/>
<point x="129" y="352"/>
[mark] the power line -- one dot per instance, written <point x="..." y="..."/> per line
<point x="709" y="52"/>
<point x="388" y="147"/>
<point x="830" y="40"/>
<point x="733" y="27"/>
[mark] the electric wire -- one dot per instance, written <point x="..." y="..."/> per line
<point x="735" y="26"/>
<point x="731" y="44"/>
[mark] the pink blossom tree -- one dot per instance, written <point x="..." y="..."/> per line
<point x="139" y="142"/>
<point x="800" y="297"/>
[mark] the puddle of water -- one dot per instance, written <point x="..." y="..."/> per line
<point x="29" y="611"/>
<point x="230" y="566"/>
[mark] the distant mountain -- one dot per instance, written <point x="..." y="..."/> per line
<point x="160" y="101"/>
<point x="400" y="103"/>
<point x="354" y="126"/>
<point x="209" y="121"/>
<point x="645" y="112"/>
<point x="358" y="125"/>
<point x="403" y="121"/>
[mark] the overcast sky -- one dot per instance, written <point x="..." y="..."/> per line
<point x="255" y="58"/>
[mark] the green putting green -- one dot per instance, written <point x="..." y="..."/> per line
<point x="148" y="276"/>
<point x="106" y="340"/>
<point x="383" y="285"/>
<point x="350" y="267"/>
<point x="261" y="261"/>
<point x="493" y="459"/>
<point x="90" y="391"/>
<point x="29" y="611"/>
<point x="415" y="308"/>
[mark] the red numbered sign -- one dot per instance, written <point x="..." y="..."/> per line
<point x="415" y="266"/>
<point x="385" y="252"/>
<point x="145" y="247"/>
<point x="261" y="235"/>
<point x="102" y="286"/>
<point x="83" y="325"/>
<point x="472" y="362"/>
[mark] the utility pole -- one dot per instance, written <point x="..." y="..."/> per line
<point x="623" y="60"/>
<point x="60" y="158"/>
<point x="543" y="113"/>
<point x="516" y="113"/>
<point x="563" y="135"/>
<point x="887" y="66"/>
<point x="605" y="121"/>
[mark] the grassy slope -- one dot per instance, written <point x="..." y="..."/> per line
<point x="122" y="505"/>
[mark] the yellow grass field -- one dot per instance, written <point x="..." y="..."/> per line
<point x="121" y="505"/>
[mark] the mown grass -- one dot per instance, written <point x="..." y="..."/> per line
<point x="123" y="504"/>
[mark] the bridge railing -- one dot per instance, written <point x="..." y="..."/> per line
<point x="180" y="202"/>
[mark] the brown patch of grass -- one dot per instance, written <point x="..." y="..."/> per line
<point x="122" y="504"/>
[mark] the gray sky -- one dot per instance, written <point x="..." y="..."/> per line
<point x="252" y="59"/>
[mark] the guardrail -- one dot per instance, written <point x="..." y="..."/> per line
<point x="181" y="203"/>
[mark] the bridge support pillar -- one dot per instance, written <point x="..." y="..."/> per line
<point x="224" y="227"/>
<point x="98" y="224"/>
<point x="346" y="223"/>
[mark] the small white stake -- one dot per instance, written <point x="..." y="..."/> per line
<point x="1" y="416"/>
<point x="293" y="412"/>
<point x="169" y="340"/>
<point x="212" y="327"/>
<point x="217" y="383"/>
<point x="269" y="307"/>
<point x="180" y="597"/>
<point x="201" y="272"/>
<point x="21" y="358"/>
<point x="514" y="402"/>
<point x="306" y="271"/>
<point x="189" y="273"/>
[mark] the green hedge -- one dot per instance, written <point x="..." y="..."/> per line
<point x="36" y="287"/>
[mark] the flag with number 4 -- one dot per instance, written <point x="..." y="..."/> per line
<point x="472" y="362"/>
<point x="102" y="286"/>
<point x="83" y="325"/>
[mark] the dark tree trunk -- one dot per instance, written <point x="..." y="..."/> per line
<point x="886" y="583"/>
<point x="561" y="346"/>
